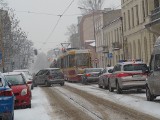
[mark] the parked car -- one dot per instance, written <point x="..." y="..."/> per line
<point x="153" y="80"/>
<point x="20" y="89"/>
<point x="28" y="77"/>
<point x="128" y="75"/>
<point x="104" y="77"/>
<point x="48" y="77"/>
<point x="6" y="100"/>
<point x="91" y="75"/>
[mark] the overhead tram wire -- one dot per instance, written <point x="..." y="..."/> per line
<point x="41" y="13"/>
<point x="60" y="16"/>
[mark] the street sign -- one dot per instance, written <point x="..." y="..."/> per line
<point x="110" y="55"/>
<point x="96" y="60"/>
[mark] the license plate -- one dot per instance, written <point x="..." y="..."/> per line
<point x="137" y="76"/>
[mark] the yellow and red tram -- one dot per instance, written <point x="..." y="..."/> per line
<point x="73" y="61"/>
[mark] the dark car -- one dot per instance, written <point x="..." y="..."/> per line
<point x="6" y="100"/>
<point x="103" y="78"/>
<point x="48" y="77"/>
<point x="91" y="75"/>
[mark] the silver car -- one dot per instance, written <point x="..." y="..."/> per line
<point x="91" y="75"/>
<point x="153" y="80"/>
<point x="48" y="77"/>
<point x="128" y="75"/>
<point x="104" y="78"/>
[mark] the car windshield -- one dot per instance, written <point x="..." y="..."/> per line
<point x="15" y="79"/>
<point x="93" y="70"/>
<point x="135" y="67"/>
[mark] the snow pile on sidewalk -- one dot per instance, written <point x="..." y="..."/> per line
<point x="40" y="108"/>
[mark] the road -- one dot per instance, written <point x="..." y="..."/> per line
<point x="75" y="101"/>
<point x="70" y="103"/>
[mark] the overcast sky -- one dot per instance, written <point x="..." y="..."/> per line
<point x="39" y="26"/>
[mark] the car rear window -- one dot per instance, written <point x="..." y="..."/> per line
<point x="15" y="79"/>
<point x="135" y="67"/>
<point x="55" y="71"/>
<point x="93" y="70"/>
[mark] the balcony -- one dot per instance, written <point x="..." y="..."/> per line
<point x="116" y="46"/>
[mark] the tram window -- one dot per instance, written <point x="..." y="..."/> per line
<point x="83" y="59"/>
<point x="71" y="60"/>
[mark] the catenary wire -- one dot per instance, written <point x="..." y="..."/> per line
<point x="60" y="16"/>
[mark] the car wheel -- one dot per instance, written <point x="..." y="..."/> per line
<point x="62" y="84"/>
<point x="110" y="88"/>
<point x="32" y="86"/>
<point x="105" y="86"/>
<point x="149" y="96"/>
<point x="84" y="81"/>
<point x="35" y="85"/>
<point x="99" y="85"/>
<point x="29" y="106"/>
<point x="47" y="84"/>
<point x="119" y="90"/>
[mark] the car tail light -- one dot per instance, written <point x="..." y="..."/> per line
<point x="29" y="82"/>
<point x="50" y="77"/>
<point x="123" y="75"/>
<point x="6" y="93"/>
<point x="87" y="75"/>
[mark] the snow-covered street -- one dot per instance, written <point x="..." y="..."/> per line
<point x="40" y="107"/>
<point x="77" y="101"/>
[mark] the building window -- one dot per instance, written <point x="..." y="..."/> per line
<point x="134" y="49"/>
<point x="137" y="14"/>
<point x="145" y="49"/>
<point x="132" y="17"/>
<point x="147" y="8"/>
<point x="143" y="10"/>
<point x="156" y="3"/>
<point x="124" y="15"/>
<point x="129" y="22"/>
<point x="139" y="49"/>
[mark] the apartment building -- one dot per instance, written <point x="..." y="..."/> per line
<point x="138" y="39"/>
<point x="113" y="49"/>
<point x="102" y="25"/>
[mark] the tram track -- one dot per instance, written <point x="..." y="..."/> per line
<point x="94" y="108"/>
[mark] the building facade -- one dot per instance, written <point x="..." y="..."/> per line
<point x="113" y="49"/>
<point x="102" y="22"/>
<point x="138" y="39"/>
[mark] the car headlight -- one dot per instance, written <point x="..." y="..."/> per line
<point x="23" y="92"/>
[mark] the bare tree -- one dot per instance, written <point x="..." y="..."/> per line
<point x="89" y="5"/>
<point x="72" y="29"/>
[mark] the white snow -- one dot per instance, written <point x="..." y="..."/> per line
<point x="40" y="107"/>
<point x="137" y="101"/>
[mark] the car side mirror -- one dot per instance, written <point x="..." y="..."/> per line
<point x="110" y="71"/>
